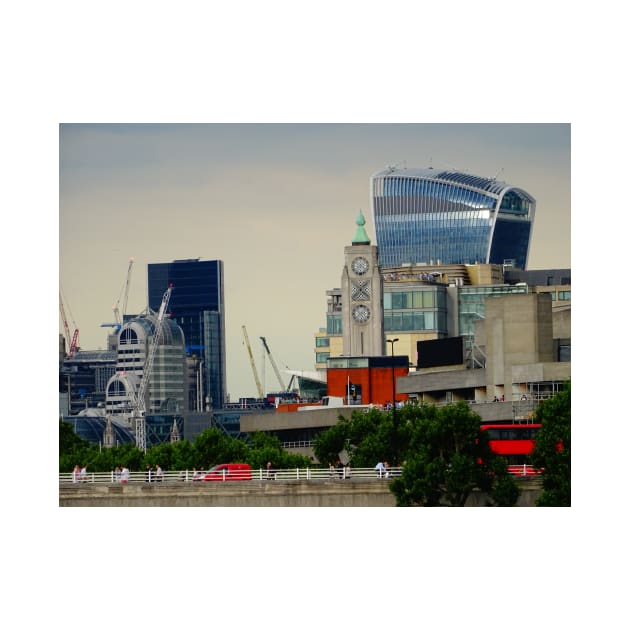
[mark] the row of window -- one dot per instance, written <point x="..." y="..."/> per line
<point x="423" y="188"/>
<point x="395" y="321"/>
<point x="413" y="299"/>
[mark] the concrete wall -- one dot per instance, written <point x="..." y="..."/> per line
<point x="346" y="493"/>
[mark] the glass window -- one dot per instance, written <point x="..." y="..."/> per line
<point x="564" y="295"/>
<point x="333" y="324"/>
<point x="396" y="321"/>
<point x="322" y="342"/>
<point x="387" y="322"/>
<point x="387" y="300"/>
<point x="320" y="357"/>
<point x="407" y="320"/>
<point x="428" y="299"/>
<point x="399" y="300"/>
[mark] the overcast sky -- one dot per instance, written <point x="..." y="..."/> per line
<point x="277" y="203"/>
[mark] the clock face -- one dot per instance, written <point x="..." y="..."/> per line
<point x="361" y="313"/>
<point x="361" y="290"/>
<point x="360" y="265"/>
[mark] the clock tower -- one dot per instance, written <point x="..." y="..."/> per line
<point x="362" y="297"/>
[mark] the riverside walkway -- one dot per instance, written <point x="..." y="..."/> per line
<point x="284" y="490"/>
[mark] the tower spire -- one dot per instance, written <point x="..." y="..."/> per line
<point x="360" y="236"/>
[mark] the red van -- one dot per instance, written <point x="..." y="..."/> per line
<point x="229" y="472"/>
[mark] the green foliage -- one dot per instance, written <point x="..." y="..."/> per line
<point x="328" y="444"/>
<point x="73" y="450"/>
<point x="552" y="453"/>
<point x="265" y="448"/>
<point x="172" y="456"/>
<point x="449" y="456"/>
<point x="213" y="447"/>
<point x="446" y="455"/>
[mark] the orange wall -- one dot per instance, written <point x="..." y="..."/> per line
<point x="376" y="383"/>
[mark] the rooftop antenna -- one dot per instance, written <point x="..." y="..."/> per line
<point x="498" y="173"/>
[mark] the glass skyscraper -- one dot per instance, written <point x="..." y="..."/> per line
<point x="197" y="306"/>
<point x="435" y="216"/>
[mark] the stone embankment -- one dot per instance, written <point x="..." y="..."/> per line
<point x="342" y="493"/>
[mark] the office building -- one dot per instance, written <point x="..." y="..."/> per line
<point x="197" y="306"/>
<point x="166" y="390"/>
<point x="83" y="380"/>
<point x="433" y="216"/>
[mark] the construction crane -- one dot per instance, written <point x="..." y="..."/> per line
<point x="138" y="400"/>
<point x="120" y="315"/>
<point x="261" y="394"/>
<point x="273" y="364"/>
<point x="72" y="343"/>
<point x="124" y="292"/>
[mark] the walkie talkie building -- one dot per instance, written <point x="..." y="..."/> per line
<point x="437" y="216"/>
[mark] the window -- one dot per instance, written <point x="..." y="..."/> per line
<point x="333" y="324"/>
<point x="320" y="357"/>
<point x="322" y="342"/>
<point x="564" y="295"/>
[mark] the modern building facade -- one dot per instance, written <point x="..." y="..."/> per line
<point x="83" y="380"/>
<point x="167" y="388"/>
<point x="433" y="216"/>
<point x="427" y="302"/>
<point x="197" y="306"/>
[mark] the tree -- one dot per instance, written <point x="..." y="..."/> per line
<point x="264" y="448"/>
<point x="328" y="444"/>
<point x="552" y="451"/>
<point x="73" y="449"/>
<point x="213" y="446"/>
<point x="448" y="457"/>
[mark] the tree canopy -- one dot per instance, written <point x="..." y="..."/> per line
<point x="213" y="446"/>
<point x="446" y="455"/>
<point x="552" y="452"/>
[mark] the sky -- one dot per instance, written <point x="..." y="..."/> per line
<point x="277" y="203"/>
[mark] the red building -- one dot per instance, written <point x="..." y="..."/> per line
<point x="365" y="380"/>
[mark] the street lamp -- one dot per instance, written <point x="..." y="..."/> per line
<point x="395" y="462"/>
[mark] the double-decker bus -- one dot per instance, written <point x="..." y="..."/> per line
<point x="515" y="442"/>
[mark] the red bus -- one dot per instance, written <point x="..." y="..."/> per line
<point x="515" y="442"/>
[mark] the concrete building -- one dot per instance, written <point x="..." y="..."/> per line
<point x="516" y="357"/>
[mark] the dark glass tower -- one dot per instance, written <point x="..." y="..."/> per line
<point x="197" y="306"/>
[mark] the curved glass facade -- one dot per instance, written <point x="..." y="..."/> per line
<point x="445" y="217"/>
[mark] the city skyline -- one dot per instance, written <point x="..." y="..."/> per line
<point x="277" y="203"/>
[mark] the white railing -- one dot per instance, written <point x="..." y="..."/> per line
<point x="260" y="474"/>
